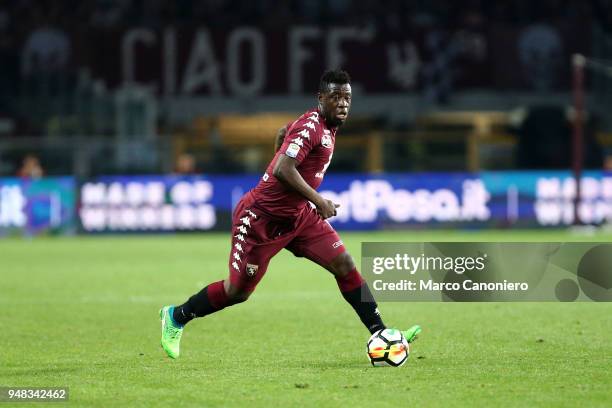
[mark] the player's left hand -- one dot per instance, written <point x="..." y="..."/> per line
<point x="327" y="209"/>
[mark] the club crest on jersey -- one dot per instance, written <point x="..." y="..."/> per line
<point x="251" y="269"/>
<point x="292" y="150"/>
<point x="326" y="141"/>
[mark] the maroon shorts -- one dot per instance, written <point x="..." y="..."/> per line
<point x="256" y="238"/>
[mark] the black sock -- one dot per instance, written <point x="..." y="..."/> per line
<point x="367" y="309"/>
<point x="209" y="300"/>
<point x="196" y="306"/>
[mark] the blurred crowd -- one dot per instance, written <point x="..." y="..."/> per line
<point x="43" y="91"/>
<point x="36" y="33"/>
<point x="40" y="38"/>
<point x="20" y="16"/>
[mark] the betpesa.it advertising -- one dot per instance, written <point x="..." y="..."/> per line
<point x="367" y="202"/>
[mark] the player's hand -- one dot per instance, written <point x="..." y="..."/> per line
<point x="327" y="208"/>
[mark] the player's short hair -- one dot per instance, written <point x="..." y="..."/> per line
<point x="333" y="76"/>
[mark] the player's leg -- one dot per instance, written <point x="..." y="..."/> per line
<point x="250" y="254"/>
<point x="228" y="292"/>
<point x="359" y="296"/>
<point x="252" y="248"/>
<point x="320" y="243"/>
<point x="213" y="298"/>
<point x="355" y="290"/>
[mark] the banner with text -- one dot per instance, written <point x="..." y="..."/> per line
<point x="367" y="202"/>
<point x="251" y="61"/>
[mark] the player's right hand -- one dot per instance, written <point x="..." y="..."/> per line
<point x="327" y="208"/>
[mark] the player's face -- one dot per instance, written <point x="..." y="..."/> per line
<point x="335" y="103"/>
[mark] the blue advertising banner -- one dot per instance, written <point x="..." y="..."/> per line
<point x="486" y="199"/>
<point x="547" y="198"/>
<point x="160" y="203"/>
<point x="35" y="206"/>
<point x="501" y="199"/>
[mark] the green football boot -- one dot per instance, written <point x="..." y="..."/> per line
<point x="170" y="332"/>
<point x="412" y="333"/>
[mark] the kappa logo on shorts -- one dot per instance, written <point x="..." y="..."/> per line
<point x="337" y="244"/>
<point x="251" y="269"/>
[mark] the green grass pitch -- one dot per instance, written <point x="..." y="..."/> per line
<point x="82" y="313"/>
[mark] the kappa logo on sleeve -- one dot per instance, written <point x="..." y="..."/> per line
<point x="292" y="150"/>
<point x="251" y="269"/>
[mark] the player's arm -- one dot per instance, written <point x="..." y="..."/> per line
<point x="286" y="172"/>
<point x="280" y="138"/>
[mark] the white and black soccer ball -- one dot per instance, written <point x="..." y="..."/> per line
<point x="388" y="347"/>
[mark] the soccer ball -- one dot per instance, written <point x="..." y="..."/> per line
<point x="388" y="347"/>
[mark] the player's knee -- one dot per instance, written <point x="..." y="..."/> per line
<point x="239" y="297"/>
<point x="342" y="265"/>
<point x="236" y="295"/>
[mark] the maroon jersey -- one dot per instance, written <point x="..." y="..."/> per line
<point x="311" y="143"/>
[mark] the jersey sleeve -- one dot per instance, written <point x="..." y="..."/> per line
<point x="301" y="138"/>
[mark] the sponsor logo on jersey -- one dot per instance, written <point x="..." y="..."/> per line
<point x="326" y="141"/>
<point x="337" y="244"/>
<point x="251" y="269"/>
<point x="305" y="133"/>
<point x="292" y="150"/>
<point x="298" y="141"/>
<point x="310" y="125"/>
